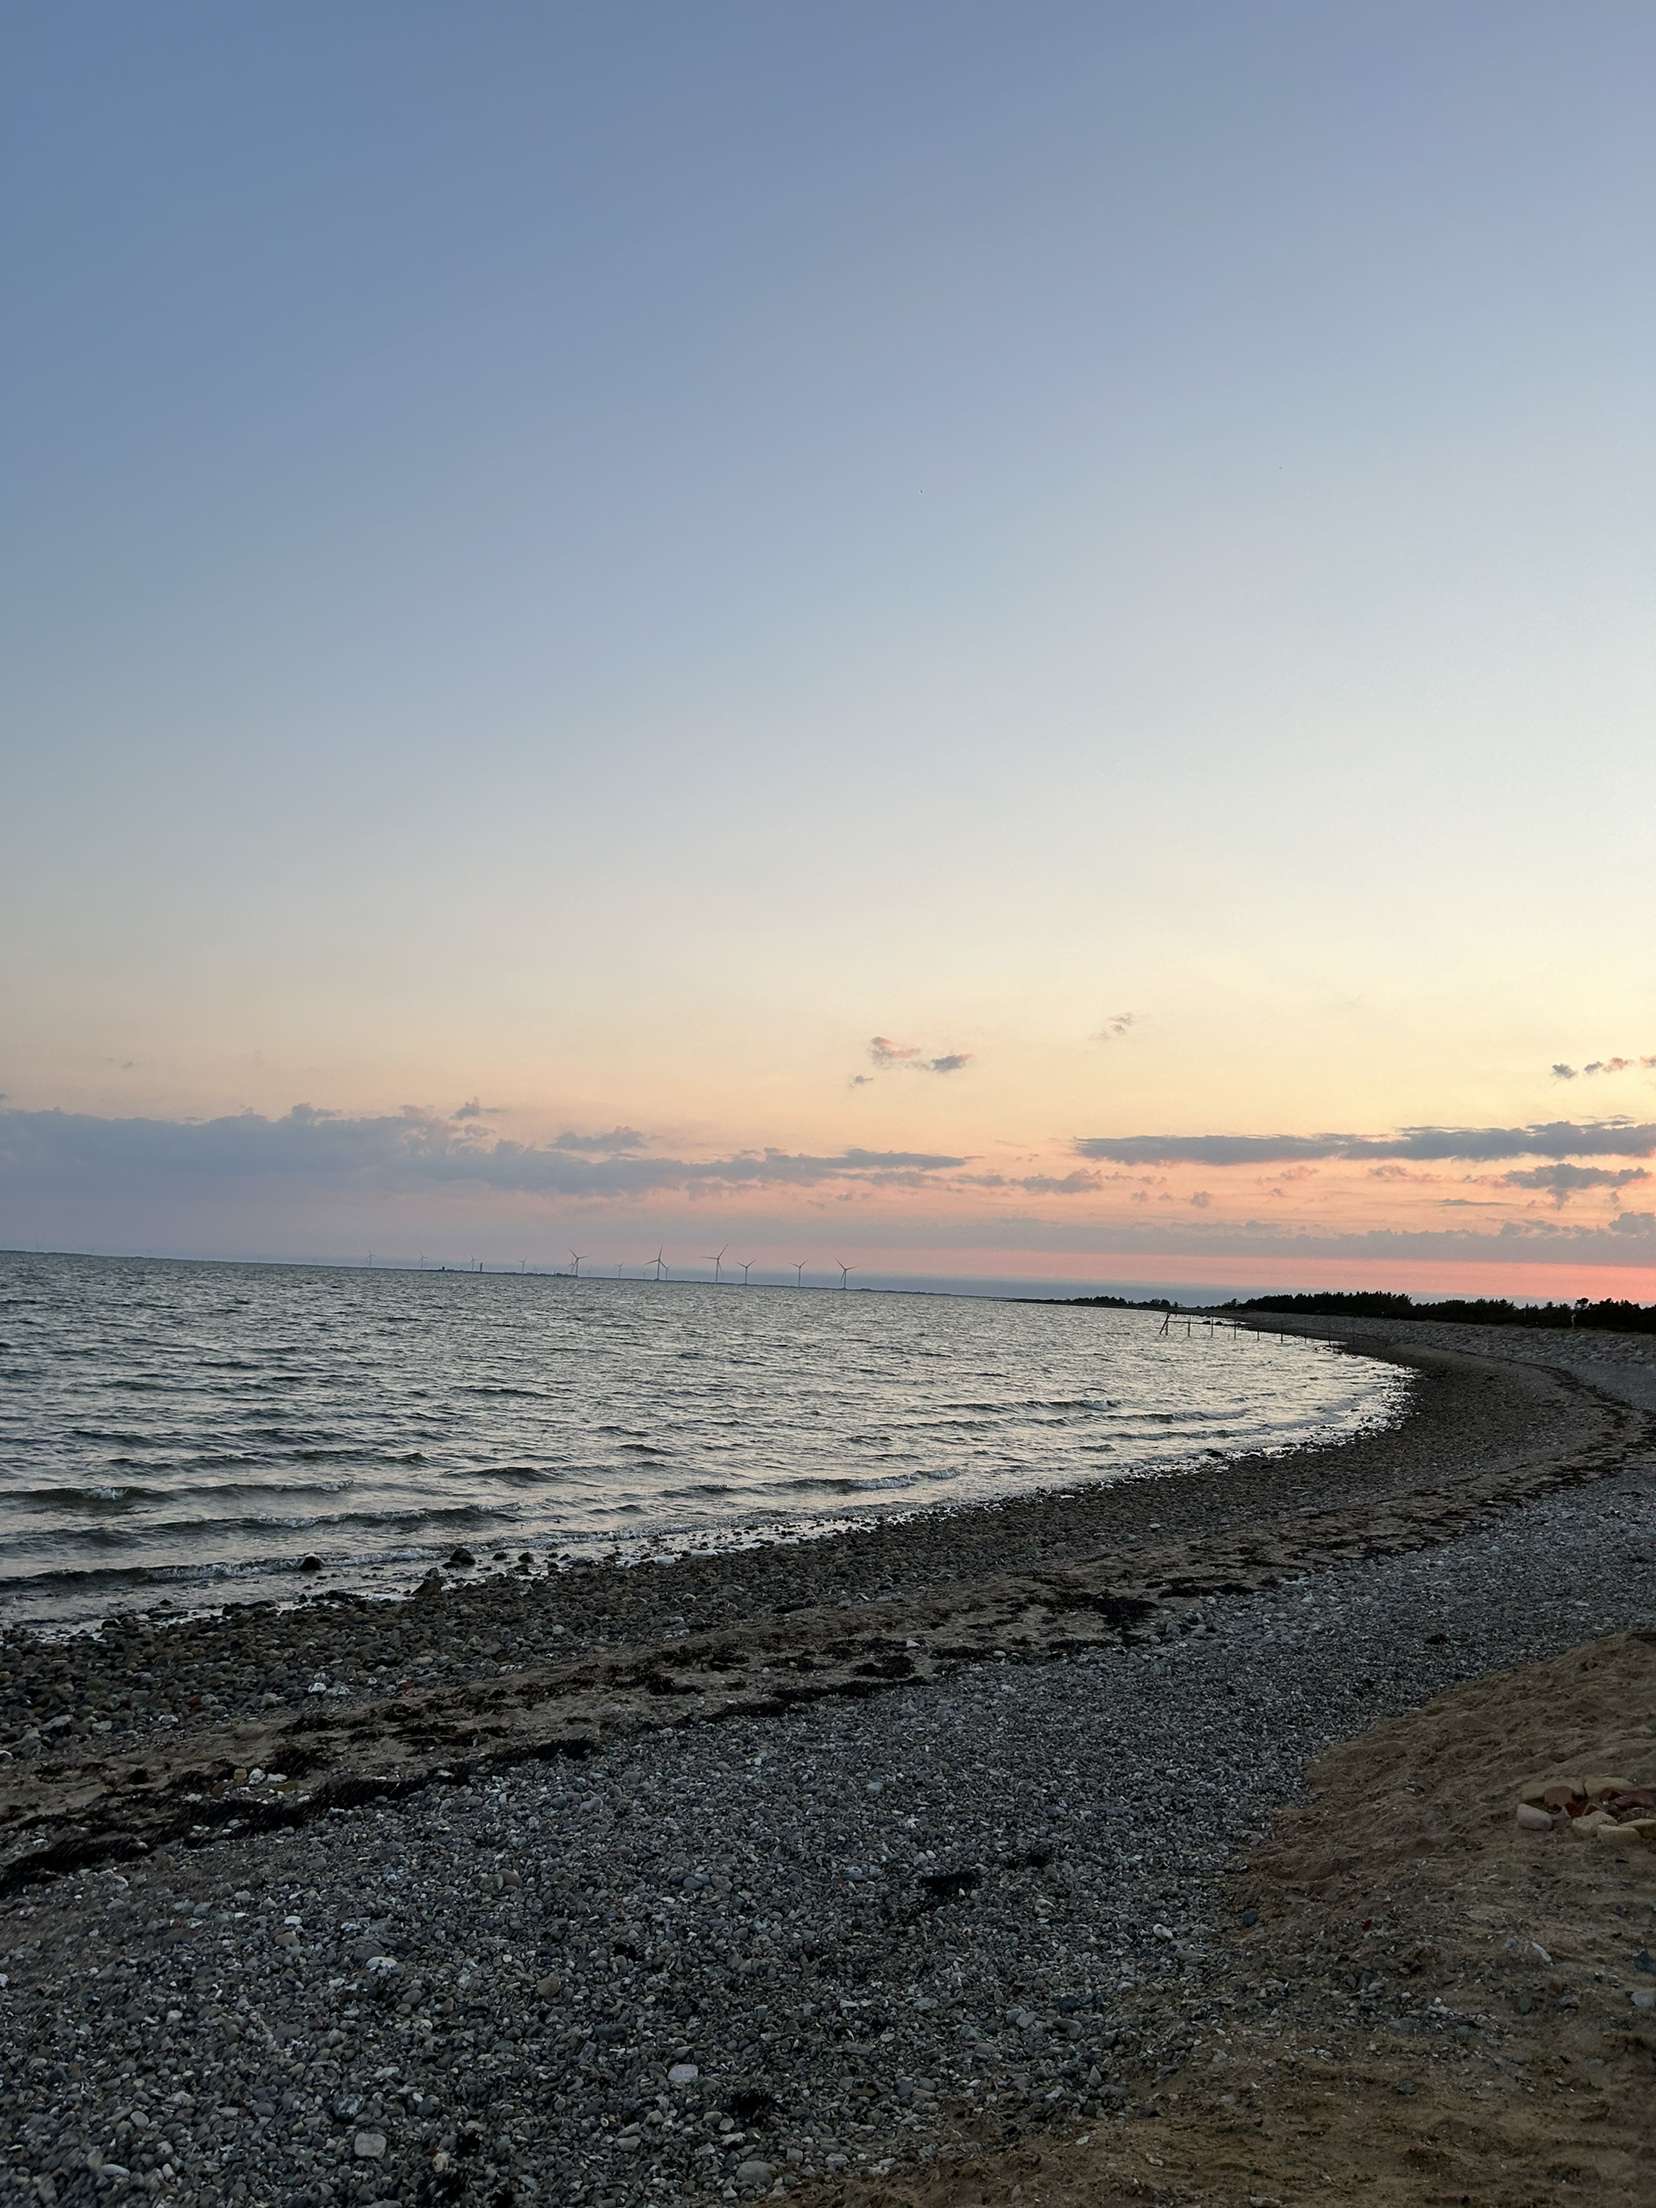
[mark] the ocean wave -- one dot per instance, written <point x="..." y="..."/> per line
<point x="209" y="1424"/>
<point x="91" y="1497"/>
<point x="841" y="1484"/>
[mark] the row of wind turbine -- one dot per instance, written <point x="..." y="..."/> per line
<point x="660" y="1269"/>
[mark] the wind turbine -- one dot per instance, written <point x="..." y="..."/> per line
<point x="717" y="1263"/>
<point x="746" y="1269"/>
<point x="845" y="1274"/>
<point x="799" y="1274"/>
<point x="580" y="1259"/>
<point x="660" y="1268"/>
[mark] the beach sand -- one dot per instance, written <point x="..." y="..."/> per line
<point x="448" y="1899"/>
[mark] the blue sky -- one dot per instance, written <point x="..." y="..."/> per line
<point x="600" y="557"/>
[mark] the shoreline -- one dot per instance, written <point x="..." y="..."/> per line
<point x="81" y="1598"/>
<point x="643" y="1591"/>
<point x="147" y="1730"/>
<point x="951" y="1869"/>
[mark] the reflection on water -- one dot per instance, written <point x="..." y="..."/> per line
<point x="171" y="1419"/>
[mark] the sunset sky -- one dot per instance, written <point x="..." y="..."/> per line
<point x="986" y="640"/>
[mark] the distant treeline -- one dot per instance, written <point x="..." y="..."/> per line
<point x="1611" y="1312"/>
<point x="1109" y="1303"/>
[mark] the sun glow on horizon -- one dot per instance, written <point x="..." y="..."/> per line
<point x="902" y="639"/>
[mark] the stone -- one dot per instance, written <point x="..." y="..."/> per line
<point x="369" y="2146"/>
<point x="1533" y="1819"/>
<point x="1560" y="1793"/>
<point x="754" y="2173"/>
<point x="310" y="1563"/>
<point x="1614" y="1835"/>
<point x="683" y="2073"/>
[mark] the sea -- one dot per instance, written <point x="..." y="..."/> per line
<point x="189" y="1432"/>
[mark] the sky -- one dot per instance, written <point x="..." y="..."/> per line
<point x="929" y="636"/>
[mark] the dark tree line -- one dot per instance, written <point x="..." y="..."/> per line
<point x="1108" y="1303"/>
<point x="1613" y="1313"/>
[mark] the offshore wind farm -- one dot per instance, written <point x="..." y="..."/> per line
<point x="651" y="1268"/>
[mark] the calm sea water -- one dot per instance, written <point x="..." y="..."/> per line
<point x="194" y="1430"/>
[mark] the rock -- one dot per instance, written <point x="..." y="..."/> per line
<point x="1533" y="1819"/>
<point x="369" y="2146"/>
<point x="310" y="1563"/>
<point x="683" y="2073"/>
<point x="1643" y="1999"/>
<point x="1560" y="1793"/>
<point x="1598" y="1787"/>
<point x="754" y="2173"/>
<point x="1614" y="1835"/>
<point x="461" y="1560"/>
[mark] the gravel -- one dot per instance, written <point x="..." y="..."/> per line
<point x="717" y="1960"/>
<point x="1619" y="1365"/>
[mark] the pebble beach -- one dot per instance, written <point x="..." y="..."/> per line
<point x="744" y="1874"/>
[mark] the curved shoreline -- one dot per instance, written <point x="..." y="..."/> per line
<point x="953" y="1867"/>
<point x="146" y="1731"/>
<point x="1468" y="1415"/>
<point x="79" y="1596"/>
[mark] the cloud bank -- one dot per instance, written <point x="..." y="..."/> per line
<point x="1561" y="1182"/>
<point x="1607" y="1138"/>
<point x="400" y="1152"/>
<point x="618" y="1141"/>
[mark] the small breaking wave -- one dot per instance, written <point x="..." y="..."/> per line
<point x="177" y="1419"/>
